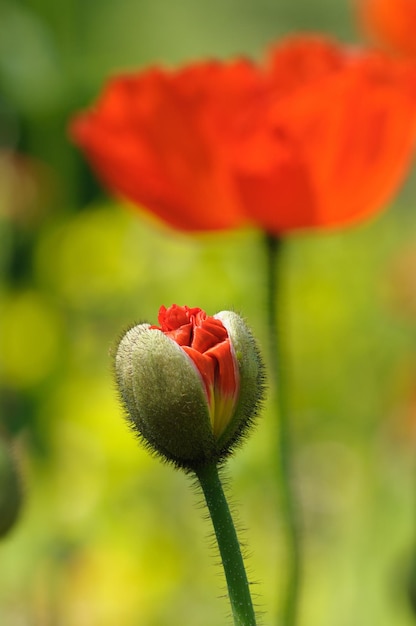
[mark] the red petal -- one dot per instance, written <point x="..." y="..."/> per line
<point x="300" y="62"/>
<point x="343" y="143"/>
<point x="208" y="334"/>
<point x="227" y="373"/>
<point x="357" y="136"/>
<point x="205" y="366"/>
<point x="390" y="23"/>
<point x="152" y="141"/>
<point x="173" y="317"/>
<point x="181" y="335"/>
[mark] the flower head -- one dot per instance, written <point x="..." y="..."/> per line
<point x="317" y="135"/>
<point x="191" y="385"/>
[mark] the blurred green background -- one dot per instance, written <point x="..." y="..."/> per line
<point x="107" y="535"/>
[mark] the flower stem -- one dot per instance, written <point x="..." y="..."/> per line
<point x="229" y="547"/>
<point x="284" y="443"/>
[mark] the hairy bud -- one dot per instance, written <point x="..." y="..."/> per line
<point x="192" y="385"/>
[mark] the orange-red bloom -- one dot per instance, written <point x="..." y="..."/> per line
<point x="317" y="135"/>
<point x="390" y="23"/>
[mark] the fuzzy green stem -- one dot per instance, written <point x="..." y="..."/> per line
<point x="284" y="444"/>
<point x="229" y="547"/>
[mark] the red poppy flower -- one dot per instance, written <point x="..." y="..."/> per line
<point x="318" y="135"/>
<point x="390" y="23"/>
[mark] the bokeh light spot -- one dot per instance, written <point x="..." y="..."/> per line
<point x="29" y="341"/>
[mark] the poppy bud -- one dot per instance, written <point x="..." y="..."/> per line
<point x="192" y="385"/>
<point x="10" y="490"/>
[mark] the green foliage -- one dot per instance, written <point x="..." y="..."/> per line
<point x="10" y="490"/>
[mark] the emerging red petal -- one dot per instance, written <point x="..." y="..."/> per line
<point x="176" y="316"/>
<point x="219" y="373"/>
<point x="226" y="388"/>
<point x="208" y="334"/>
<point x="226" y="378"/>
<point x="182" y="335"/>
<point x="205" y="340"/>
<point x="205" y="366"/>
